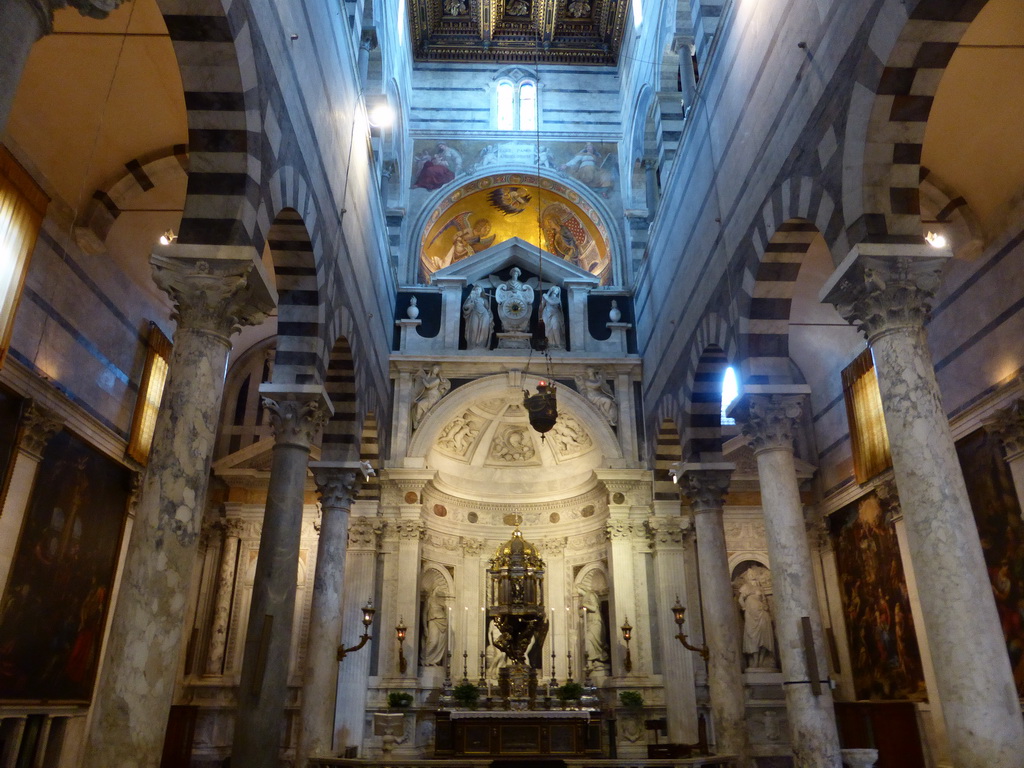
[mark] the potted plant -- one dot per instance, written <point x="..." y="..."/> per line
<point x="399" y="699"/>
<point x="466" y="695"/>
<point x="569" y="692"/>
<point x="633" y="700"/>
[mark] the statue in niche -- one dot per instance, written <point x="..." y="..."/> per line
<point x="427" y="390"/>
<point x="595" y="389"/>
<point x="476" y="310"/>
<point x="552" y="317"/>
<point x="758" y="634"/>
<point x="515" y="301"/>
<point x="594" y="637"/>
<point x="434" y="641"/>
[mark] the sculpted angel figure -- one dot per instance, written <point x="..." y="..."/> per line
<point x="595" y="389"/>
<point x="551" y="315"/>
<point x="427" y="390"/>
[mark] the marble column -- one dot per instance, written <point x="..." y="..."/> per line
<point x="336" y="483"/>
<point x="224" y="593"/>
<point x="668" y="541"/>
<point x="705" y="486"/>
<point x="353" y="677"/>
<point x="887" y="290"/>
<point x="1007" y="424"/>
<point x="771" y="416"/>
<point x="38" y="426"/>
<point x="215" y="290"/>
<point x="297" y="413"/>
<point x="367" y="42"/>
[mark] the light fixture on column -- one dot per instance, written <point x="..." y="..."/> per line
<point x="368" y="611"/>
<point x="400" y="630"/>
<point x="168" y="237"/>
<point x="680" y="615"/>
<point x="627" y="634"/>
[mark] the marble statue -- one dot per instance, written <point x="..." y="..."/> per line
<point x="594" y="636"/>
<point x="758" y="635"/>
<point x="476" y="310"/>
<point x="551" y="315"/>
<point x="434" y="642"/>
<point x="595" y="389"/>
<point x="427" y="390"/>
<point x="496" y="658"/>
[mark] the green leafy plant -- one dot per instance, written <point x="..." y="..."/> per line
<point x="631" y="699"/>
<point x="569" y="692"/>
<point x="466" y="695"/>
<point x="399" y="699"/>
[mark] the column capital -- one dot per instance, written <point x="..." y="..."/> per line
<point x="1007" y="424"/>
<point x="883" y="287"/>
<point x="38" y="426"/>
<point x="619" y="529"/>
<point x="365" y="532"/>
<point x="770" y="415"/>
<point x="668" y="533"/>
<point x="368" y="39"/>
<point x="214" y="289"/>
<point x="706" y="484"/>
<point x="337" y="483"/>
<point x="406" y="530"/>
<point x="297" y="412"/>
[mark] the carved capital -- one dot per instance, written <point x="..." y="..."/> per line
<point x="1007" y="424"/>
<point x="296" y="418"/>
<point x="554" y="546"/>
<point x="881" y="288"/>
<point x="337" y="486"/>
<point x="407" y="529"/>
<point x="772" y="421"/>
<point x="38" y="426"/>
<point x="368" y="39"/>
<point x="619" y="529"/>
<point x="233" y="528"/>
<point x="214" y="295"/>
<point x="705" y="489"/>
<point x="365" y="532"/>
<point x="668" y="533"/>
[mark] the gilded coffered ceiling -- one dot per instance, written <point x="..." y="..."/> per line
<point x="549" y="31"/>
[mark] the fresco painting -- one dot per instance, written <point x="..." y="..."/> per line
<point x="876" y="604"/>
<point x="998" y="516"/>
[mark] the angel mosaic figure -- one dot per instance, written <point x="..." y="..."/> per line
<point x="595" y="389"/>
<point x="427" y="390"/>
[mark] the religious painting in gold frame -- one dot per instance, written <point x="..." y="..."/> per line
<point x="538" y="210"/>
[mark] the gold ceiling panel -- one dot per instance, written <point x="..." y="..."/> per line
<point x="547" y="31"/>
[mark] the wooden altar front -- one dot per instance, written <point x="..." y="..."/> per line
<point x="509" y="734"/>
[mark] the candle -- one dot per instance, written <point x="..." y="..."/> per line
<point x="466" y="649"/>
<point x="451" y="632"/>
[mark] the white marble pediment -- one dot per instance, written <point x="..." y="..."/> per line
<point x="515" y="252"/>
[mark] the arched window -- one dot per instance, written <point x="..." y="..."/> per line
<point x="516" y="103"/>
<point x="506" y="106"/>
<point x="528" y="106"/>
<point x="730" y="391"/>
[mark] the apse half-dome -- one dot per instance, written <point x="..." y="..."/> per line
<point x="538" y="210"/>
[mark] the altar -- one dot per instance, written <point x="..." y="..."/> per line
<point x="511" y="734"/>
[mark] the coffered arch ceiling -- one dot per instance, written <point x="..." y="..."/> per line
<point x="548" y="31"/>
